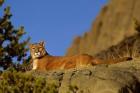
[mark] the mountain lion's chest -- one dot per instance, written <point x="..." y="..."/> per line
<point x="35" y="64"/>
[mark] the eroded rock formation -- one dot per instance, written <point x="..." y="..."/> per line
<point x="113" y="24"/>
<point x="117" y="78"/>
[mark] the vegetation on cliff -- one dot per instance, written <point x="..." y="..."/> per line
<point x="12" y="81"/>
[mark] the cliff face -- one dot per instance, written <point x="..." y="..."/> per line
<point x="112" y="25"/>
<point x="117" y="78"/>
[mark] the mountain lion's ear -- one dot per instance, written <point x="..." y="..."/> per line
<point x="42" y="43"/>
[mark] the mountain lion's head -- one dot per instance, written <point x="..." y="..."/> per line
<point x="37" y="50"/>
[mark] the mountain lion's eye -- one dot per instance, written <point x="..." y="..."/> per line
<point x="33" y="48"/>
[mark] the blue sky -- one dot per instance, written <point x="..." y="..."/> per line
<point x="56" y="22"/>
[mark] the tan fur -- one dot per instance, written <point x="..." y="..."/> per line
<point x="48" y="62"/>
<point x="54" y="62"/>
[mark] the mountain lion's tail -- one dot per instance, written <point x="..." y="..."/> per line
<point x="117" y="60"/>
<point x="111" y="61"/>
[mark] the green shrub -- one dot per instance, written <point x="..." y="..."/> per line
<point x="18" y="82"/>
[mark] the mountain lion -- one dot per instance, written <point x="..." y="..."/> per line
<point x="43" y="61"/>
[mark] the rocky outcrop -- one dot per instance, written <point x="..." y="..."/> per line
<point x="129" y="47"/>
<point x="113" y="24"/>
<point x="117" y="78"/>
